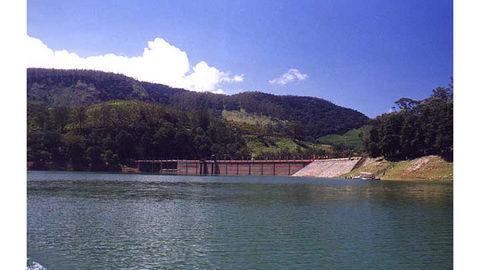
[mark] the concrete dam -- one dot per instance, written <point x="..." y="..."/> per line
<point x="222" y="167"/>
<point x="305" y="168"/>
<point x="329" y="168"/>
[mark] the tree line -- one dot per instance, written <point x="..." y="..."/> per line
<point x="416" y="128"/>
<point x="105" y="135"/>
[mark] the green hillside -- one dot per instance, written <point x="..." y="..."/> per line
<point x="242" y="116"/>
<point x="269" y="138"/>
<point x="351" y="139"/>
<point x="56" y="88"/>
<point x="284" y="148"/>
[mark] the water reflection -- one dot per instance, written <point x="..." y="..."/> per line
<point x="87" y="221"/>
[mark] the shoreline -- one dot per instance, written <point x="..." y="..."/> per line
<point x="246" y="176"/>
<point x="423" y="168"/>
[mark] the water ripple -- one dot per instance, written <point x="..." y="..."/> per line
<point x="97" y="221"/>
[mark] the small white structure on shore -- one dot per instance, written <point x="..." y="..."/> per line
<point x="365" y="176"/>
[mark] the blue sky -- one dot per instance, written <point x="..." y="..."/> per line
<point x="359" y="54"/>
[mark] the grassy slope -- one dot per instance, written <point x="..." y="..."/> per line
<point x="351" y="138"/>
<point x="249" y="119"/>
<point x="271" y="144"/>
<point x="424" y="168"/>
<point x="259" y="145"/>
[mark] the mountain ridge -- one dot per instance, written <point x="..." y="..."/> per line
<point x="60" y="87"/>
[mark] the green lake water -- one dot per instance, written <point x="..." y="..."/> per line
<point x="117" y="221"/>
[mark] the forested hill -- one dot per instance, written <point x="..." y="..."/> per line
<point x="70" y="88"/>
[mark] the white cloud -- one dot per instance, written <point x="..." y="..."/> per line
<point x="291" y="75"/>
<point x="161" y="62"/>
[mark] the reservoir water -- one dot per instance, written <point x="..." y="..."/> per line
<point x="117" y="221"/>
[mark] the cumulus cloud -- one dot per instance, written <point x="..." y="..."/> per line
<point x="161" y="62"/>
<point x="292" y="75"/>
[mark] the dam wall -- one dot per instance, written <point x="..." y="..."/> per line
<point x="329" y="168"/>
<point x="222" y="167"/>
<point x="306" y="168"/>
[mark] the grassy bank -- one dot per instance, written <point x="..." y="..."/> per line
<point x="424" y="168"/>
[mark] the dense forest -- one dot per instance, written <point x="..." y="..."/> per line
<point x="105" y="135"/>
<point x="70" y="88"/>
<point x="417" y="128"/>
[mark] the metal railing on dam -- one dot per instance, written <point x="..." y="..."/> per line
<point x="222" y="167"/>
